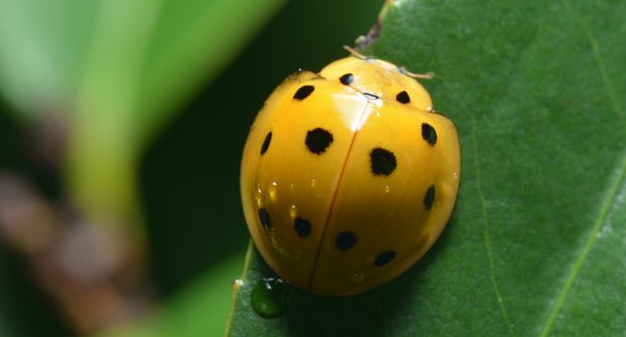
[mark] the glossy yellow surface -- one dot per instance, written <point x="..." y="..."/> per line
<point x="380" y="78"/>
<point x="337" y="191"/>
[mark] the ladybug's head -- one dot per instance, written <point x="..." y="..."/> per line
<point x="378" y="78"/>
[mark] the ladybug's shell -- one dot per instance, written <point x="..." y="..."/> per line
<point x="345" y="184"/>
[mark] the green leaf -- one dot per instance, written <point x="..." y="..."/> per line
<point x="156" y="51"/>
<point x="198" y="310"/>
<point x="536" y="244"/>
<point x="116" y="71"/>
<point x="42" y="47"/>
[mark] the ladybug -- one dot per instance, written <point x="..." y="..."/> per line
<point x="348" y="176"/>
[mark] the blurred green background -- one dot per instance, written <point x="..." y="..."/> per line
<point x="187" y="171"/>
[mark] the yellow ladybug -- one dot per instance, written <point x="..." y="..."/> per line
<point x="348" y="176"/>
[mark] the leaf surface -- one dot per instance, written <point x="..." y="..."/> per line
<point x="536" y="244"/>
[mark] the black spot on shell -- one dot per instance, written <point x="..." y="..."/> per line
<point x="266" y="142"/>
<point x="345" y="241"/>
<point x="302" y="226"/>
<point x="382" y="162"/>
<point x="265" y="218"/>
<point x="403" y="97"/>
<point x="318" y="140"/>
<point x="346" y="79"/>
<point x="429" y="134"/>
<point x="303" y="92"/>
<point x="384" y="258"/>
<point x="429" y="197"/>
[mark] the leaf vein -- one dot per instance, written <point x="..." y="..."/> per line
<point x="614" y="187"/>
<point x="597" y="226"/>
<point x="595" y="49"/>
<point x="487" y="240"/>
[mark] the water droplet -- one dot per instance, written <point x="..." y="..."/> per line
<point x="269" y="297"/>
<point x="387" y="189"/>
<point x="291" y="186"/>
<point x="358" y="278"/>
<point x="293" y="212"/>
<point x="312" y="183"/>
<point x="237" y="283"/>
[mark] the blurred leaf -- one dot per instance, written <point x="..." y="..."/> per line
<point x="200" y="310"/>
<point x="536" y="245"/>
<point x="49" y="49"/>
<point x="42" y="47"/>
<point x="117" y="70"/>
<point x="191" y="229"/>
<point x="200" y="35"/>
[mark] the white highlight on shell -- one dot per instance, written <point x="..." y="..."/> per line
<point x="293" y="211"/>
<point x="272" y="189"/>
<point x="350" y="108"/>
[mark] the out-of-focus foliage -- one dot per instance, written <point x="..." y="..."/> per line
<point x="67" y="57"/>
<point x="149" y="52"/>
